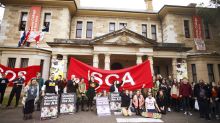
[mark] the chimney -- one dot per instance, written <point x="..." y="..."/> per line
<point x="149" y="5"/>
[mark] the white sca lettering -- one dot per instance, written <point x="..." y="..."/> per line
<point x="13" y="74"/>
<point x="127" y="79"/>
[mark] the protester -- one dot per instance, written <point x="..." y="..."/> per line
<point x="18" y="83"/>
<point x="91" y="92"/>
<point x="185" y="93"/>
<point x="31" y="92"/>
<point x="72" y="87"/>
<point x="175" y="95"/>
<point x="82" y="93"/>
<point x="213" y="100"/>
<point x="161" y="101"/>
<point x="144" y="91"/>
<point x="138" y="101"/>
<point x="40" y="82"/>
<point x="3" y="84"/>
<point x="151" y="104"/>
<point x="61" y="84"/>
<point x="115" y="86"/>
<point x="125" y="103"/>
<point x="202" y="94"/>
<point x="50" y="86"/>
<point x="218" y="101"/>
<point x="166" y="90"/>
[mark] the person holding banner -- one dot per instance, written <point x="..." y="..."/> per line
<point x="31" y="92"/>
<point x="16" y="90"/>
<point x="50" y="86"/>
<point x="138" y="101"/>
<point x="91" y="91"/>
<point x="115" y="87"/>
<point x="3" y="84"/>
<point x="82" y="92"/>
<point x="72" y="87"/>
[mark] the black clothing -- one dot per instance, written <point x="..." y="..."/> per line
<point x="50" y="86"/>
<point x="3" y="85"/>
<point x="162" y="102"/>
<point x="16" y="90"/>
<point x="125" y="100"/>
<point x="112" y="87"/>
<point x="29" y="107"/>
<point x="203" y="94"/>
<point x="91" y="93"/>
<point x="71" y="88"/>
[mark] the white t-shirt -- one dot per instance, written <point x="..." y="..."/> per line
<point x="150" y="103"/>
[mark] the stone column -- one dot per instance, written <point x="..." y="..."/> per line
<point x="174" y="65"/>
<point x="65" y="59"/>
<point x="54" y="57"/>
<point x="139" y="59"/>
<point x="107" y="61"/>
<point x="150" y="58"/>
<point x="96" y="60"/>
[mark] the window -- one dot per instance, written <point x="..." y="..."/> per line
<point x="23" y="21"/>
<point x="186" y="28"/>
<point x="11" y="62"/>
<point x="46" y="24"/>
<point x="122" y="25"/>
<point x="206" y="29"/>
<point x="79" y="29"/>
<point x="211" y="73"/>
<point x="89" y="30"/>
<point x="24" y="62"/>
<point x="41" y="66"/>
<point x="154" y="32"/>
<point x="144" y="30"/>
<point x="194" y="75"/>
<point x="111" y="27"/>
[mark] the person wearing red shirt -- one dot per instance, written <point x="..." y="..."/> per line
<point x="185" y="93"/>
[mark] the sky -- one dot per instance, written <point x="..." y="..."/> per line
<point x="130" y="4"/>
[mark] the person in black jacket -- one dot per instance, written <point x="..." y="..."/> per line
<point x="3" y="84"/>
<point x="162" y="102"/>
<point x="115" y="87"/>
<point x="72" y="87"/>
<point x="91" y="91"/>
<point x="218" y="101"/>
<point x="125" y="103"/>
<point x="202" y="93"/>
<point x="16" y="90"/>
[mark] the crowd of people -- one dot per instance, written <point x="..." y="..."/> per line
<point x="166" y="95"/>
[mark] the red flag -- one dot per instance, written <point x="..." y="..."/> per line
<point x="27" y="37"/>
<point x="133" y="77"/>
<point x="37" y="39"/>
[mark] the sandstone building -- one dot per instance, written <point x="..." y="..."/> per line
<point x="111" y="39"/>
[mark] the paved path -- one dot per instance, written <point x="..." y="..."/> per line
<point x="14" y="115"/>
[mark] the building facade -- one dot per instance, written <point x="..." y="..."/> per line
<point x="112" y="39"/>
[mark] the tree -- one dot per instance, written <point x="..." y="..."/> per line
<point x="209" y="13"/>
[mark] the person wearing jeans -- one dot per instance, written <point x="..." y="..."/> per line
<point x="185" y="93"/>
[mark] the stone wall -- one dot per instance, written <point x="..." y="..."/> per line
<point x="101" y="25"/>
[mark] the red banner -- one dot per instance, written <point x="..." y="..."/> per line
<point x="198" y="37"/>
<point x="197" y="27"/>
<point x="12" y="73"/>
<point x="133" y="77"/>
<point x="34" y="18"/>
